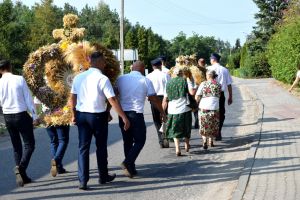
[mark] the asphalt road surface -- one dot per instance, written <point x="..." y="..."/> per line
<point x="200" y="174"/>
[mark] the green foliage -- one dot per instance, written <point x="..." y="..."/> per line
<point x="14" y="32"/>
<point x="254" y="62"/>
<point x="47" y="17"/>
<point x="284" y="51"/>
<point x="200" y="45"/>
<point x="234" y="61"/>
<point x="23" y="30"/>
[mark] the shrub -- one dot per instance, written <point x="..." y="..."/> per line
<point x="284" y="51"/>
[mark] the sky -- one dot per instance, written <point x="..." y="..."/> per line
<point x="223" y="19"/>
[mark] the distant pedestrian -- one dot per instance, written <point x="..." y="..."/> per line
<point x="164" y="67"/>
<point x="159" y="80"/>
<point x="296" y="81"/>
<point x="179" y="114"/>
<point x="16" y="100"/>
<point x="225" y="80"/>
<point x="133" y="89"/>
<point x="90" y="92"/>
<point x="208" y="94"/>
<point x="59" y="140"/>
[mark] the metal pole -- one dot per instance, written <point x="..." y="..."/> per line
<point x="122" y="37"/>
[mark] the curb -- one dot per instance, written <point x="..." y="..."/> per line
<point x="243" y="181"/>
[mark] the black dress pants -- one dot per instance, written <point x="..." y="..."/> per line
<point x="20" y="125"/>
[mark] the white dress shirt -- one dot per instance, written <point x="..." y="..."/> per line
<point x="159" y="80"/>
<point x="133" y="89"/>
<point x="224" y="77"/>
<point x="164" y="69"/>
<point x="92" y="89"/>
<point x="15" y="96"/>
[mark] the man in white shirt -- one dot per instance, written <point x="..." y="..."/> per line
<point x="163" y="64"/>
<point x="133" y="89"/>
<point x="225" y="80"/>
<point x="159" y="80"/>
<point x="90" y="90"/>
<point x="16" y="100"/>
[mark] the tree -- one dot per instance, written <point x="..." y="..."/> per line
<point x="14" y="32"/>
<point x="284" y="46"/>
<point x="47" y="17"/>
<point x="131" y="39"/>
<point x="69" y="9"/>
<point x="237" y="45"/>
<point x="142" y="35"/>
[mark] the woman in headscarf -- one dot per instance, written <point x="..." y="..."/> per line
<point x="208" y="94"/>
<point x="179" y="114"/>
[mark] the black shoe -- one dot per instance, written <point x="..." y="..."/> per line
<point x="109" y="178"/>
<point x="219" y="138"/>
<point x="26" y="179"/>
<point x="196" y="126"/>
<point x="19" y="178"/>
<point x="205" y="145"/>
<point x="134" y="172"/>
<point x="62" y="171"/>
<point x="166" y="143"/>
<point x="127" y="170"/>
<point x="82" y="186"/>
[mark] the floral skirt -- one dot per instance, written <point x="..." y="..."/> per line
<point x="209" y="122"/>
<point x="179" y="126"/>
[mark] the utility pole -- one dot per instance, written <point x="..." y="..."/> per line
<point x="122" y="37"/>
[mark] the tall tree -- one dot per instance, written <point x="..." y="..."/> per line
<point x="14" y="31"/>
<point x="69" y="9"/>
<point x="142" y="35"/>
<point x="46" y="18"/>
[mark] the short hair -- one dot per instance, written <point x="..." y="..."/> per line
<point x="5" y="65"/>
<point x="215" y="56"/>
<point x="96" y="55"/>
<point x="163" y="58"/>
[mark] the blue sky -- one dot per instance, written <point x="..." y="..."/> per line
<point x="224" y="19"/>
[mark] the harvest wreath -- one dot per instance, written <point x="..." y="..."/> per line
<point x="49" y="71"/>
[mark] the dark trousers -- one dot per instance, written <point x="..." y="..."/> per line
<point x="20" y="125"/>
<point x="59" y="139"/>
<point x="196" y="124"/>
<point x="89" y="125"/>
<point x="134" y="138"/>
<point x="222" y="112"/>
<point x="157" y="120"/>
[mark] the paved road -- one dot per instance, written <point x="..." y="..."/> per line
<point x="276" y="170"/>
<point x="200" y="174"/>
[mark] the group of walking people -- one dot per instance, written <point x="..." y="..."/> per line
<point x="92" y="97"/>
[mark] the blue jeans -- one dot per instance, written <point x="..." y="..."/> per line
<point x="89" y="125"/>
<point x="59" y="139"/>
<point x="134" y="138"/>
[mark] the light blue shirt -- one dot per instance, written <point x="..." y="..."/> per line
<point x="133" y="89"/>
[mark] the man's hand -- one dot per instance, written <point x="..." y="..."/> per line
<point x="73" y="120"/>
<point x="36" y="122"/>
<point x="126" y="123"/>
<point x="229" y="100"/>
